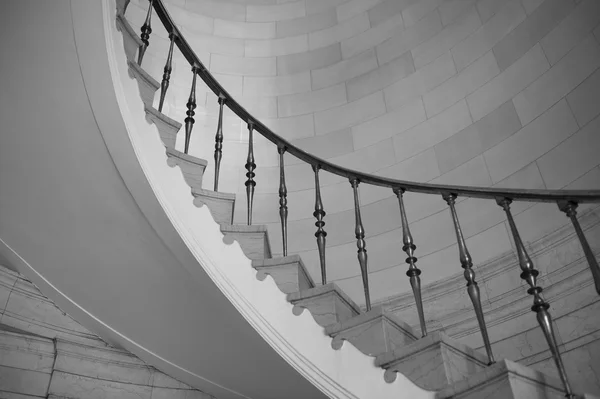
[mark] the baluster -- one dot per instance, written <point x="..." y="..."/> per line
<point x="219" y="142"/>
<point x="570" y="209"/>
<point x="283" y="209"/>
<point x="164" y="85"/>
<point x="319" y="213"/>
<point x="467" y="264"/>
<point x="250" y="166"/>
<point x="359" y="232"/>
<point x="191" y="105"/>
<point x="540" y="306"/>
<point x="413" y="271"/>
<point x="146" y="30"/>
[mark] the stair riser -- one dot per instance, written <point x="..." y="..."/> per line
<point x="326" y="309"/>
<point x="254" y="245"/>
<point x="374" y="337"/>
<point x="131" y="42"/>
<point x="289" y="278"/>
<point x="147" y="88"/>
<point x="168" y="133"/>
<point x="192" y="172"/>
<point x="221" y="209"/>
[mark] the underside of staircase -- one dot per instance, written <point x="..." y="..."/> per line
<point x="435" y="362"/>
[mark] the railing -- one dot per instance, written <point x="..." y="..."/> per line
<point x="566" y="200"/>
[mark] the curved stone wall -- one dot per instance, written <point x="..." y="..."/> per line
<point x="486" y="93"/>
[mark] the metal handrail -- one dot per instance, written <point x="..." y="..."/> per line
<point x="577" y="196"/>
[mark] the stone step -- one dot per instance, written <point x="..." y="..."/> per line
<point x="221" y="205"/>
<point x="432" y="362"/>
<point x="191" y="167"/>
<point x="289" y="273"/>
<point x="505" y="380"/>
<point x="131" y="41"/>
<point x="327" y="303"/>
<point x="254" y="239"/>
<point x="167" y="127"/>
<point x="146" y="83"/>
<point x="373" y="333"/>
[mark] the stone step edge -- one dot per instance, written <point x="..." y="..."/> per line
<point x="497" y="371"/>
<point x="265" y="264"/>
<point x="186" y="157"/>
<point x="164" y="118"/>
<point x="255" y="228"/>
<point x="388" y="359"/>
<point x="323" y="290"/>
<point x="138" y="71"/>
<point x="216" y="195"/>
<point x="126" y="26"/>
<point x="366" y="317"/>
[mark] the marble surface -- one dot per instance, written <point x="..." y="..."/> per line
<point x="147" y="84"/>
<point x="221" y="205"/>
<point x="254" y="240"/>
<point x="45" y="353"/>
<point x="327" y="304"/>
<point x="288" y="272"/>
<point x="192" y="168"/>
<point x="433" y="362"/>
<point x="167" y="127"/>
<point x="373" y="333"/>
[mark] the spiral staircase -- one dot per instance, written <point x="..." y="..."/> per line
<point x="436" y="364"/>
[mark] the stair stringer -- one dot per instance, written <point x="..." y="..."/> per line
<point x="345" y="373"/>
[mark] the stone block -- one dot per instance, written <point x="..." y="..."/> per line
<point x="373" y="333"/>
<point x="344" y="70"/>
<point x="433" y="362"/>
<point x="221" y="205"/>
<point x="373" y="36"/>
<point x="288" y="272"/>
<point x="306" y="24"/>
<point x="327" y="304"/>
<point x="167" y="127"/>
<point x="349" y="114"/>
<point x="147" y="85"/>
<point x="505" y="380"/>
<point x="338" y="32"/>
<point x="584" y="100"/>
<point x="254" y="240"/>
<point x="131" y="41"/>
<point x="192" y="168"/>
<point x="315" y="59"/>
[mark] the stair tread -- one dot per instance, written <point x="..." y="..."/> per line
<point x="389" y="358"/>
<point x="213" y="194"/>
<point x="374" y="313"/>
<point x="186" y="157"/>
<point x="283" y="261"/>
<point x="243" y="228"/>
<point x="495" y="371"/>
<point x="143" y="74"/>
<point x="321" y="290"/>
<point x="156" y="113"/>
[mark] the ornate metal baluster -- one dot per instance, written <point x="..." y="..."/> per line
<point x="219" y="142"/>
<point x="191" y="105"/>
<point x="283" y="209"/>
<point x="319" y="213"/>
<point x="540" y="306"/>
<point x="413" y="271"/>
<point x="146" y="30"/>
<point x="467" y="264"/>
<point x="570" y="209"/>
<point x="250" y="166"/>
<point x="359" y="232"/>
<point x="164" y="85"/>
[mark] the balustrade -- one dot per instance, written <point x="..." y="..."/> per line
<point x="413" y="271"/>
<point x="567" y="200"/>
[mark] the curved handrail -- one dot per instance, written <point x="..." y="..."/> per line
<point x="578" y="196"/>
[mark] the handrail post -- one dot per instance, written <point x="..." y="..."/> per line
<point x="250" y="166"/>
<point x="413" y="271"/>
<point x="283" y="209"/>
<point x="319" y="214"/>
<point x="145" y="36"/>
<point x="164" y="85"/>
<point x="540" y="306"/>
<point x="570" y="209"/>
<point x="219" y="142"/>
<point x="469" y="274"/>
<point x="191" y="105"/>
<point x="361" y="244"/>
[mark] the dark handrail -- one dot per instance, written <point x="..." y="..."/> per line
<point x="577" y="196"/>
